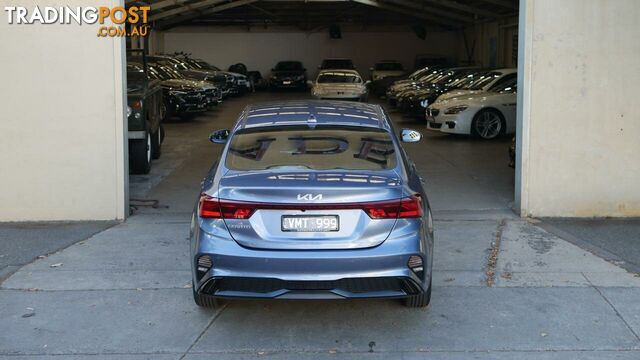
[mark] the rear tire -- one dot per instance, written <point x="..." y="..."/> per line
<point x="419" y="301"/>
<point x="140" y="155"/>
<point x="206" y="301"/>
<point x="156" y="144"/>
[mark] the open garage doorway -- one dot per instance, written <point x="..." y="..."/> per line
<point x="411" y="52"/>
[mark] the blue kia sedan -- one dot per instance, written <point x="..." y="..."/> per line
<point x="312" y="200"/>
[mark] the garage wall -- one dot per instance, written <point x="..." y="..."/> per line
<point x="261" y="50"/>
<point x="578" y="108"/>
<point x="62" y="129"/>
<point x="490" y="44"/>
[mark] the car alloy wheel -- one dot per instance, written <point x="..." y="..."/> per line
<point x="488" y="125"/>
<point x="148" y="147"/>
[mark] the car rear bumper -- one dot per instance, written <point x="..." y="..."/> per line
<point x="345" y="288"/>
<point x="380" y="271"/>
<point x="288" y="84"/>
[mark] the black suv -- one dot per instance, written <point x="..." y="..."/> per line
<point x="289" y="74"/>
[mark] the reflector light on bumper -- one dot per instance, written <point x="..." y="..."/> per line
<point x="204" y="264"/>
<point x="408" y="207"/>
<point x="416" y="265"/>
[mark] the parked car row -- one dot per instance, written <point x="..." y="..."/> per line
<point x="161" y="87"/>
<point x="292" y="74"/>
<point x="459" y="100"/>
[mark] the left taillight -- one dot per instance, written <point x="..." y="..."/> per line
<point x="214" y="208"/>
<point x="209" y="207"/>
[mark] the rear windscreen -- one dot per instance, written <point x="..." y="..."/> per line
<point x="320" y="148"/>
<point x="338" y="77"/>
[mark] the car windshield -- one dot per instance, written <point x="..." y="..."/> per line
<point x="390" y="66"/>
<point x="481" y="81"/>
<point x="337" y="64"/>
<point x="319" y="148"/>
<point x="463" y="81"/>
<point x="442" y="77"/>
<point x="191" y="63"/>
<point x="289" y="66"/>
<point x="418" y="73"/>
<point x="135" y="77"/>
<point x="166" y="72"/>
<point x="429" y="75"/>
<point x="507" y="87"/>
<point x="339" y="77"/>
<point x="203" y="65"/>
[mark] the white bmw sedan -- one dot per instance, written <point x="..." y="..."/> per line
<point x="486" y="115"/>
<point x="340" y="85"/>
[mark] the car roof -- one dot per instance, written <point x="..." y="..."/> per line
<point x="312" y="113"/>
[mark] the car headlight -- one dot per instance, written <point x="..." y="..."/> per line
<point x="129" y="110"/>
<point x="456" y="109"/>
<point x="178" y="95"/>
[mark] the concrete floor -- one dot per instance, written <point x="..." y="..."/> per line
<point x="504" y="288"/>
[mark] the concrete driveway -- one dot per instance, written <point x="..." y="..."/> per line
<point x="504" y="288"/>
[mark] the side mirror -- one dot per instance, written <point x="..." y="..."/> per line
<point x="219" y="136"/>
<point x="410" y="136"/>
<point x="309" y="83"/>
<point x="367" y="82"/>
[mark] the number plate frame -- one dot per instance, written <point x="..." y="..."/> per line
<point x="307" y="229"/>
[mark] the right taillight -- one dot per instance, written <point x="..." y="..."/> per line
<point x="409" y="207"/>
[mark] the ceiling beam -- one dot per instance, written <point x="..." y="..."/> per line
<point x="409" y="12"/>
<point x="435" y="11"/>
<point x="181" y="19"/>
<point x="184" y="8"/>
<point x="509" y="4"/>
<point x="462" y="7"/>
<point x="163" y="4"/>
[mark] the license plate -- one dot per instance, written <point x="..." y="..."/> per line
<point x="286" y="82"/>
<point x="320" y="223"/>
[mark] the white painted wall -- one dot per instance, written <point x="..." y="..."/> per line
<point x="578" y="108"/>
<point x="61" y="124"/>
<point x="261" y="50"/>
